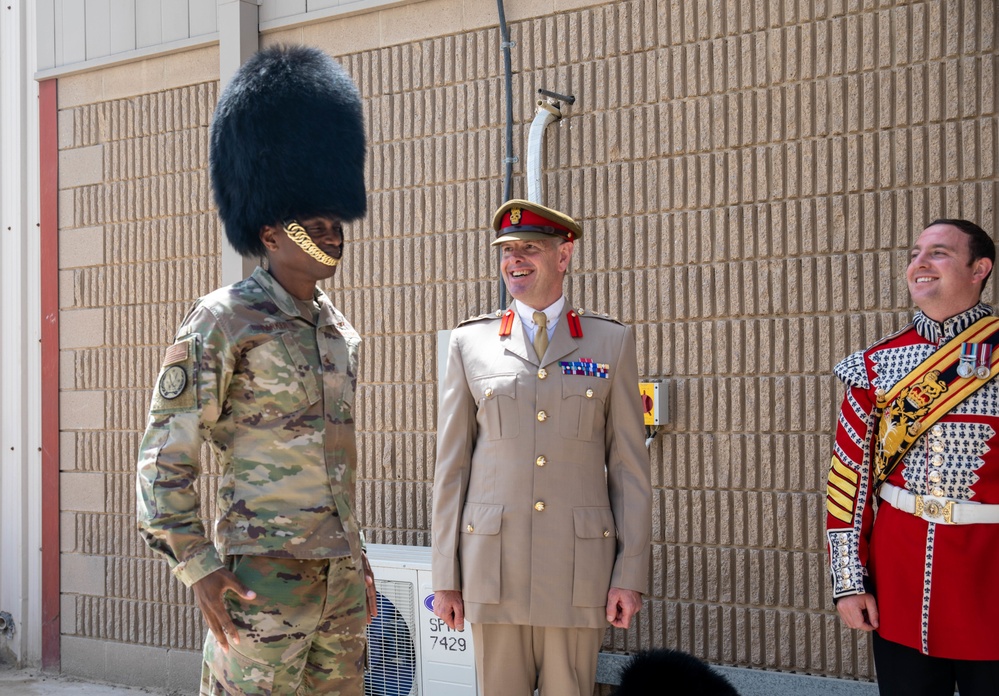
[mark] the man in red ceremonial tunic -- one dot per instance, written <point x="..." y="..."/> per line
<point x="916" y="559"/>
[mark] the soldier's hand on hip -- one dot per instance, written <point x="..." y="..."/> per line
<point x="210" y="591"/>
<point x="859" y="611"/>
<point x="449" y="606"/>
<point x="369" y="588"/>
<point x="621" y="606"/>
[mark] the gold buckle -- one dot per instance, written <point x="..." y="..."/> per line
<point x="933" y="509"/>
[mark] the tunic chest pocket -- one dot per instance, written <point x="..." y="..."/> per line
<point x="496" y="396"/>
<point x="582" y="410"/>
<point x="279" y="380"/>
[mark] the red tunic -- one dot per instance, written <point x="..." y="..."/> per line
<point x="936" y="584"/>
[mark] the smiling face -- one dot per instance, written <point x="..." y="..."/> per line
<point x="943" y="280"/>
<point x="533" y="269"/>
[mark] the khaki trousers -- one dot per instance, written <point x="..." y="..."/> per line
<point x="513" y="660"/>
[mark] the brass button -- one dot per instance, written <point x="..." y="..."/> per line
<point x="589" y="393"/>
<point x="845" y="573"/>
<point x="541" y="461"/>
<point x="937" y="430"/>
<point x="499" y="312"/>
<point x="539" y="506"/>
<point x="938" y="492"/>
<point x="489" y="392"/>
<point x="606" y="533"/>
<point x="934" y="476"/>
<point x="542" y="416"/>
<point x="937" y="460"/>
<point x="469" y="529"/>
<point x="937" y="446"/>
<point x="542" y="373"/>
<point x="580" y="311"/>
<point x="843" y="550"/>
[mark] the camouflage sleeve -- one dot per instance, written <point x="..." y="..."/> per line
<point x="186" y="403"/>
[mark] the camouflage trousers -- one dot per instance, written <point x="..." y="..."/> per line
<point x="303" y="634"/>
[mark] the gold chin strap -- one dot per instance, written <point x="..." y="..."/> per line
<point x="298" y="235"/>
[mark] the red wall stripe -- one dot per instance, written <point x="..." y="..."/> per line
<point x="48" y="133"/>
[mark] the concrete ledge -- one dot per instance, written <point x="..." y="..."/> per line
<point x="754" y="682"/>
<point x="177" y="671"/>
<point x="137" y="665"/>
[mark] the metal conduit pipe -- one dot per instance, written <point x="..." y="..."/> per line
<point x="547" y="112"/>
<point x="509" y="160"/>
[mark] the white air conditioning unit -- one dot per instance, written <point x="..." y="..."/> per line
<point x="411" y="651"/>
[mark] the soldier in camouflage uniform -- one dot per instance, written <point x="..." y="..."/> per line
<point x="265" y="372"/>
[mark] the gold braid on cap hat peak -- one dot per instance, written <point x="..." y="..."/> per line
<point x="298" y="235"/>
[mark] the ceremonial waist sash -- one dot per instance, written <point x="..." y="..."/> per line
<point x="927" y="394"/>
<point x="939" y="510"/>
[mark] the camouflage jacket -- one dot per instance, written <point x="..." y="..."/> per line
<point x="272" y="393"/>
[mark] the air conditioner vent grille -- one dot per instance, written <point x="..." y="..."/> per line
<point x="391" y="643"/>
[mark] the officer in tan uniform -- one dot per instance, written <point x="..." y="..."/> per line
<point x="264" y="371"/>
<point x="542" y="494"/>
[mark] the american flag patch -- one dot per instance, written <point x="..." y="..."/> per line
<point x="176" y="353"/>
<point x="586" y="367"/>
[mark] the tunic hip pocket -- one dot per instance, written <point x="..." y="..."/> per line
<point x="480" y="551"/>
<point x="593" y="555"/>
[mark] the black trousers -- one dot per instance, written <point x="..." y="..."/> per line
<point x="904" y="671"/>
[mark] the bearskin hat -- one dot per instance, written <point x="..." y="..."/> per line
<point x="668" y="672"/>
<point x="287" y="139"/>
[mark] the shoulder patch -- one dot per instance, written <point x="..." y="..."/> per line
<point x="583" y="313"/>
<point x="498" y="314"/>
<point x="853" y="371"/>
<point x="176" y="387"/>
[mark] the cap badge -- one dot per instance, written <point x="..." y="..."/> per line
<point x="515" y="216"/>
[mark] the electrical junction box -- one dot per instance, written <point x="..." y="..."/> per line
<point x="655" y="404"/>
<point x="411" y="651"/>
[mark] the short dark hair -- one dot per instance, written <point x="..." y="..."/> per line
<point x="980" y="243"/>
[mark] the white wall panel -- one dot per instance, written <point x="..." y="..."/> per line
<point x="314" y="5"/>
<point x="98" y="28"/>
<point x="45" y="34"/>
<point x="20" y="317"/>
<point x="174" y="18"/>
<point x="277" y="9"/>
<point x="70" y="34"/>
<point x="203" y="17"/>
<point x="122" y="26"/>
<point x="147" y="23"/>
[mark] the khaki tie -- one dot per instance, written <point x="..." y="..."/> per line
<point x="541" y="334"/>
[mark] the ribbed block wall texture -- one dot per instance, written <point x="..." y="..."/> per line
<point x="749" y="175"/>
<point x="139" y="242"/>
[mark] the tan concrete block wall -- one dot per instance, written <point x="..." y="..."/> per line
<point x="749" y="175"/>
<point x="138" y="243"/>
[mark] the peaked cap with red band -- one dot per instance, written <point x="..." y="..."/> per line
<point x="519" y="220"/>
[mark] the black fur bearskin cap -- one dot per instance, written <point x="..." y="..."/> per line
<point x="287" y="139"/>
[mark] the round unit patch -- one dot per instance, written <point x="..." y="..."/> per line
<point x="172" y="382"/>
